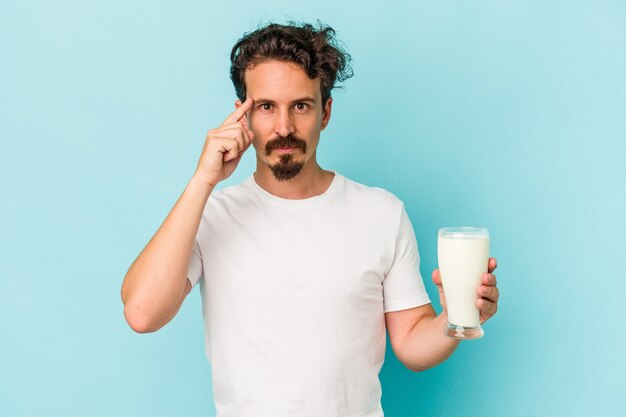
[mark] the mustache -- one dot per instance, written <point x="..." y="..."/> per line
<point x="289" y="141"/>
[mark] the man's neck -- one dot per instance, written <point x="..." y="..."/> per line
<point x="309" y="182"/>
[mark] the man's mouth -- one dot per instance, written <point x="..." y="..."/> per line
<point x="285" y="145"/>
<point x="286" y="150"/>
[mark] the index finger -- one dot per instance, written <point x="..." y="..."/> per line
<point x="238" y="114"/>
<point x="493" y="264"/>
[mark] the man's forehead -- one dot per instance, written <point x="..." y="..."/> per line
<point x="280" y="81"/>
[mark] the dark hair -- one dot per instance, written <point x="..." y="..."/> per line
<point x="315" y="50"/>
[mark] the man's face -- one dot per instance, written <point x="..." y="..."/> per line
<point x="286" y="118"/>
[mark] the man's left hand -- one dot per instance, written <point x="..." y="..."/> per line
<point x="487" y="292"/>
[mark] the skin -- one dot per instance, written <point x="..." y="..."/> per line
<point x="281" y="100"/>
<point x="416" y="334"/>
<point x="156" y="284"/>
<point x="287" y="101"/>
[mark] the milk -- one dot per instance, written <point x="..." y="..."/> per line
<point x="463" y="259"/>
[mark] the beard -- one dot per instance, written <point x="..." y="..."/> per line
<point x="287" y="167"/>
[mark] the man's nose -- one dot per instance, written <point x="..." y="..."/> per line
<point x="283" y="123"/>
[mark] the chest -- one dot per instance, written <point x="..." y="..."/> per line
<point x="338" y="257"/>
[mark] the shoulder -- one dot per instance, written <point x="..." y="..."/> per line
<point x="230" y="198"/>
<point x="234" y="191"/>
<point x="374" y="197"/>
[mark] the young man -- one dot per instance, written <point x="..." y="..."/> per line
<point x="302" y="270"/>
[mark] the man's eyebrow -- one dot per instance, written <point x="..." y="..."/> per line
<point x="299" y="100"/>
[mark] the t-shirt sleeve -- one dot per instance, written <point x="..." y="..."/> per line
<point x="194" y="272"/>
<point x="403" y="286"/>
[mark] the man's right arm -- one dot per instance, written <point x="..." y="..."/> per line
<point x="156" y="284"/>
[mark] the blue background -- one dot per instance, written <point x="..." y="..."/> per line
<point x="509" y="115"/>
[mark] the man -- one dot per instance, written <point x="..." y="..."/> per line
<point x="301" y="269"/>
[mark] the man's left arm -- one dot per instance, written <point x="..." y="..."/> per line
<point x="417" y="334"/>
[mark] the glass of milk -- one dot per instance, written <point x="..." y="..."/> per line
<point x="463" y="254"/>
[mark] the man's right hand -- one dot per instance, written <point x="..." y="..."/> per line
<point x="156" y="283"/>
<point x="224" y="147"/>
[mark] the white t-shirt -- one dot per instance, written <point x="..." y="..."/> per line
<point x="294" y="294"/>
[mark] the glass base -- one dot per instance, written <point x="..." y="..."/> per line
<point x="460" y="332"/>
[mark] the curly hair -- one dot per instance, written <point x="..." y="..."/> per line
<point x="315" y="50"/>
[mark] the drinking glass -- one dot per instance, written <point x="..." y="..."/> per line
<point x="463" y="256"/>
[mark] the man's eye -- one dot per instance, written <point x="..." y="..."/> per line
<point x="266" y="106"/>
<point x="301" y="106"/>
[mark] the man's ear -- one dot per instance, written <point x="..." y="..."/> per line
<point x="326" y="112"/>
<point x="238" y="103"/>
